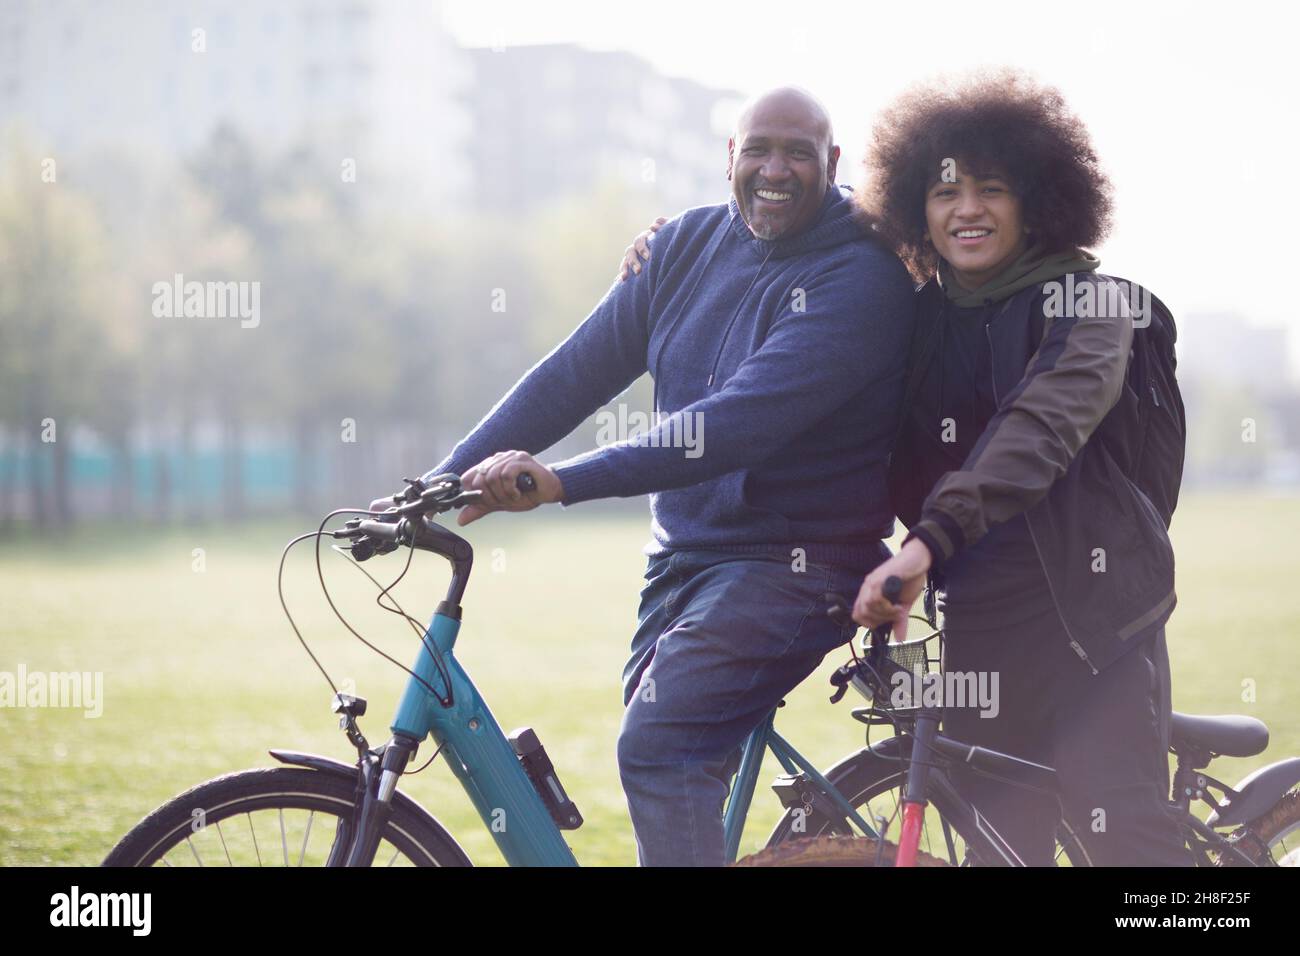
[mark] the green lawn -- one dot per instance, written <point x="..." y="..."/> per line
<point x="202" y="674"/>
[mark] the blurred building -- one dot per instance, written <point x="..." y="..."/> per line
<point x="378" y="82"/>
<point x="555" y="120"/>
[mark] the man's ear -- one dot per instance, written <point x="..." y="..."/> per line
<point x="731" y="155"/>
<point x="832" y="161"/>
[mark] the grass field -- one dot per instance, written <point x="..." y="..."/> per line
<point x="202" y="674"/>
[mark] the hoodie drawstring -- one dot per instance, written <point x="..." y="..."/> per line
<point x="735" y="315"/>
<point x="653" y="365"/>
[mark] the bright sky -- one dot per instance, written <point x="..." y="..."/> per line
<point x="1191" y="105"/>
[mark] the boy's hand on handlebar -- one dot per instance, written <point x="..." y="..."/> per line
<point x="872" y="608"/>
<point x="640" y="249"/>
<point x="497" y="477"/>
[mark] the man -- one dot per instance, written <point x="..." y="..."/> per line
<point x="775" y="329"/>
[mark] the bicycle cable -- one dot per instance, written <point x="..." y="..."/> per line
<point x="395" y="609"/>
<point x="383" y="591"/>
<point x="887" y="716"/>
<point x="279" y="586"/>
<point x="400" y="611"/>
<point x="293" y="624"/>
<point x="447" y="701"/>
<point x="411" y="773"/>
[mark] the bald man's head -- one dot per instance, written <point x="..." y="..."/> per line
<point x="780" y="161"/>
<point x="788" y="99"/>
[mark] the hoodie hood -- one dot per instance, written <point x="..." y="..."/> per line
<point x="835" y="225"/>
<point x="1032" y="268"/>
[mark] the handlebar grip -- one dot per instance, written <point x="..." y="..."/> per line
<point x="892" y="591"/>
<point x="841" y="615"/>
<point x="526" y="482"/>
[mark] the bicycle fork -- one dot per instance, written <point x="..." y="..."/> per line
<point x="378" y="771"/>
<point x="918" y="777"/>
<point x="358" y="845"/>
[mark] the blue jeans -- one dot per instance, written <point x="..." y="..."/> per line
<point x="722" y="638"/>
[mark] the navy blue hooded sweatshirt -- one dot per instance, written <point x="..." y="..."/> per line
<point x="787" y="355"/>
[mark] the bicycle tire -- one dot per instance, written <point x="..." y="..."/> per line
<point x="1261" y="836"/>
<point x="833" y="851"/>
<point x="863" y="777"/>
<point x="167" y="834"/>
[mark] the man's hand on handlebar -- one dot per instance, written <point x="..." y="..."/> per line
<point x="872" y="608"/>
<point x="498" y="480"/>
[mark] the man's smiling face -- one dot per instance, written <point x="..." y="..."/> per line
<point x="780" y="162"/>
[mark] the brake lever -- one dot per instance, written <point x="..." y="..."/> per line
<point x="841" y="679"/>
<point x="878" y="650"/>
<point x="844" y="675"/>
<point x="463" y="498"/>
<point x="433" y="505"/>
<point x="363" y="547"/>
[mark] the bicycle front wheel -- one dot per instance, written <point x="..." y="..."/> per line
<point x="284" y="816"/>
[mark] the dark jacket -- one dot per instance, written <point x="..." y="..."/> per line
<point x="1059" y="449"/>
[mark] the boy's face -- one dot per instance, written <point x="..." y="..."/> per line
<point x="975" y="224"/>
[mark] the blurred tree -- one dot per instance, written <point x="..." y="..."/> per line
<point x="188" y="368"/>
<point x="577" y="267"/>
<point x="52" y="353"/>
<point x="327" y="330"/>
<point x="407" y="329"/>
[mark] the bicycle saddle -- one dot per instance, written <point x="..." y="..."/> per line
<point x="1227" y="736"/>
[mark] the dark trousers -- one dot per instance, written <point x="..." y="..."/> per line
<point x="1107" y="735"/>
<point x="722" y="638"/>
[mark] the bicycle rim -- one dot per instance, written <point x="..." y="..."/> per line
<point x="279" y="818"/>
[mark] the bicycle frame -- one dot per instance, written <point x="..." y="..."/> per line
<point x="763" y="738"/>
<point x="486" y="765"/>
<point x="478" y="753"/>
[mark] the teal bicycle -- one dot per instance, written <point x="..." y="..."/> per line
<point x="318" y="811"/>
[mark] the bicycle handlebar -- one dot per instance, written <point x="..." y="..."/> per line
<point x="406" y="519"/>
<point x="877" y="656"/>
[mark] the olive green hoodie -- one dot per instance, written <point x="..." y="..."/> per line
<point x="1032" y="267"/>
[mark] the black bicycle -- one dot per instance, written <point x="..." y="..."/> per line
<point x="909" y="777"/>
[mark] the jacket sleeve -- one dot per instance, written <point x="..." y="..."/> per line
<point x="1072" y="381"/>
<point x="853" y="332"/>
